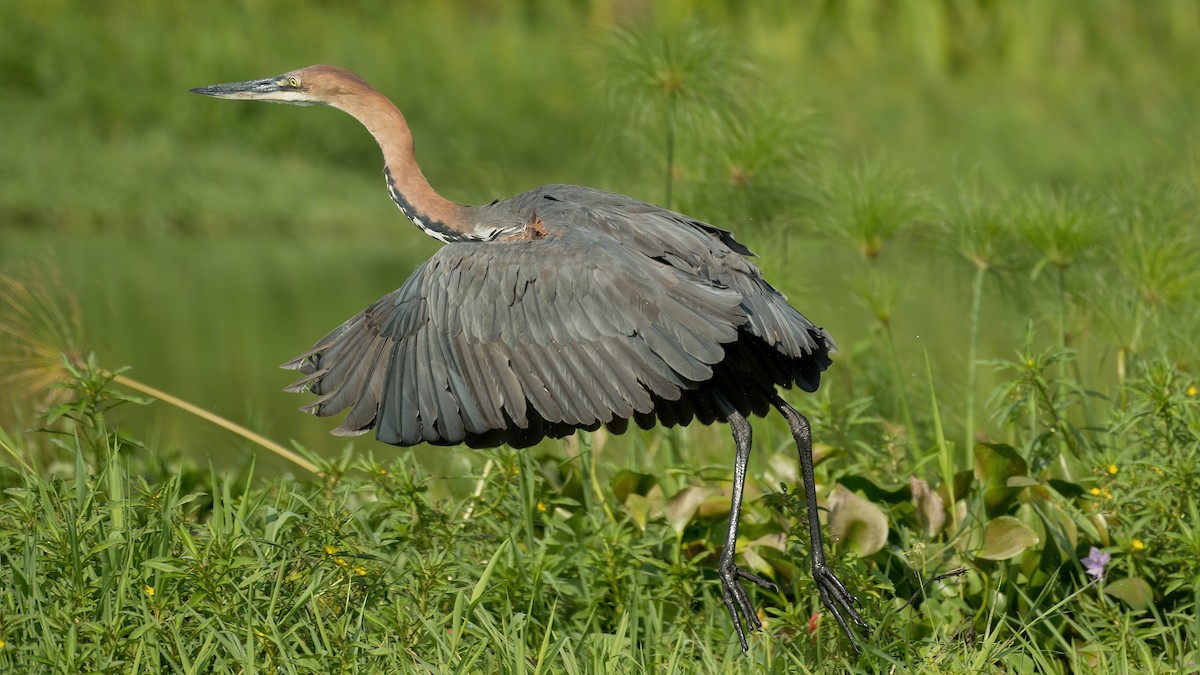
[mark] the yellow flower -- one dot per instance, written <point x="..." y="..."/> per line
<point x="330" y="549"/>
<point x="382" y="472"/>
<point x="1112" y="468"/>
<point x="1192" y="390"/>
<point x="360" y="570"/>
<point x="541" y="505"/>
<point x="1" y="644"/>
<point x="1137" y="544"/>
<point x="1029" y="362"/>
<point x="149" y="590"/>
<point x="1107" y="494"/>
<point x="1095" y="492"/>
<point x="341" y="561"/>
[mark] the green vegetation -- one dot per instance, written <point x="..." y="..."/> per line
<point x="995" y="208"/>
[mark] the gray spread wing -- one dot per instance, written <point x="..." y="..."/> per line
<point x="510" y="341"/>
<point x="708" y="253"/>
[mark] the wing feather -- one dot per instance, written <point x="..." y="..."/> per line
<point x="362" y="416"/>
<point x="354" y="382"/>
<point x="538" y="386"/>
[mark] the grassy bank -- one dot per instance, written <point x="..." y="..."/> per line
<point x="124" y="557"/>
<point x="994" y="209"/>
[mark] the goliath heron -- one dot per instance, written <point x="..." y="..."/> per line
<point x="561" y="308"/>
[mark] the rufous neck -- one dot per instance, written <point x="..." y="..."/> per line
<point x="407" y="186"/>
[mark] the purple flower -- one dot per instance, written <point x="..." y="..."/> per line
<point x="1095" y="562"/>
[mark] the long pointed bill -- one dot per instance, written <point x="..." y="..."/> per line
<point x="250" y="89"/>
<point x="273" y="89"/>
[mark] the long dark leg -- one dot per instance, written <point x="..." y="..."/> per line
<point x="834" y="595"/>
<point x="732" y="592"/>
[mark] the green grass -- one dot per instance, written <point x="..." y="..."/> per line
<point x="116" y="557"/>
<point x="993" y="206"/>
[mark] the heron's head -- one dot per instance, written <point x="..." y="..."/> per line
<point x="314" y="85"/>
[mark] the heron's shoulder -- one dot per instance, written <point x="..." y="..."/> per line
<point x="563" y="207"/>
<point x="624" y="213"/>
<point x="593" y="198"/>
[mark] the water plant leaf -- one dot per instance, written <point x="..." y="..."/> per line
<point x="1060" y="524"/>
<point x="755" y="561"/>
<point x="995" y="465"/>
<point x="996" y="462"/>
<point x="1067" y="489"/>
<point x="931" y="511"/>
<point x="783" y="468"/>
<point x="638" y="507"/>
<point x="717" y="504"/>
<point x="682" y="507"/>
<point x="856" y="522"/>
<point x="964" y="485"/>
<point x="628" y="482"/>
<point x="784" y="567"/>
<point x="875" y="493"/>
<point x="1007" y="537"/>
<point x="1132" y="591"/>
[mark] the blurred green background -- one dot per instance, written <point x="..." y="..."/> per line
<point x="209" y="241"/>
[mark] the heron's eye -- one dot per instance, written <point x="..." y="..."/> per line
<point x="294" y="82"/>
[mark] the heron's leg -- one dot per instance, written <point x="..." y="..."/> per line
<point x="732" y="592"/>
<point x="834" y="595"/>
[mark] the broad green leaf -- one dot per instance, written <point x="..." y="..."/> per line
<point x="964" y="483"/>
<point x="931" y="511"/>
<point x="783" y="468"/>
<point x="995" y="462"/>
<point x="683" y="505"/>
<point x="1006" y="537"/>
<point x="754" y="561"/>
<point x="995" y="465"/>
<point x="638" y="508"/>
<point x="875" y="493"/>
<point x="856" y="522"/>
<point x="628" y="482"/>
<point x="1068" y="468"/>
<point x="821" y="452"/>
<point x="717" y="504"/>
<point x="1068" y="490"/>
<point x="1060" y="524"/>
<point x="1133" y="591"/>
<point x="785" y="567"/>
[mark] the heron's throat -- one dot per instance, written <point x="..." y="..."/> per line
<point x="429" y="224"/>
<point x="435" y="215"/>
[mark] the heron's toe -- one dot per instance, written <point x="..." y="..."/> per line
<point x="839" y="601"/>
<point x="737" y="601"/>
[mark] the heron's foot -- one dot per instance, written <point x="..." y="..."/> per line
<point x="736" y="599"/>
<point x="838" y="600"/>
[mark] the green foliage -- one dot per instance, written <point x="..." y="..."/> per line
<point x="366" y="572"/>
<point x="661" y="78"/>
<point x="112" y="563"/>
